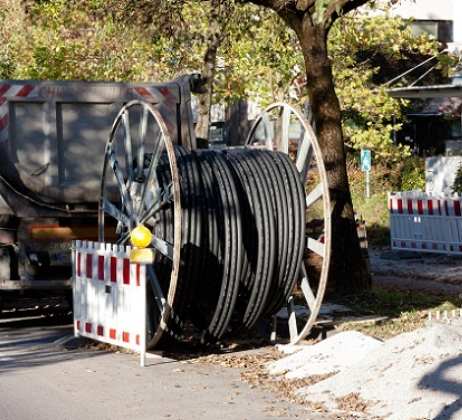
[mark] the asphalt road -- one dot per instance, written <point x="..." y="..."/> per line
<point x="41" y="380"/>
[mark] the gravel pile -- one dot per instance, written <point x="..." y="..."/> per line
<point x="416" y="375"/>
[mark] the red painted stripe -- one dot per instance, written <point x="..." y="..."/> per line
<point x="79" y="264"/>
<point x="167" y="94"/>
<point x="100" y="267"/>
<point x="3" y="122"/>
<point x="113" y="269"/>
<point x="409" y="206"/>
<point x="89" y="266"/>
<point x="126" y="337"/>
<point x="100" y="330"/>
<point x="435" y="246"/>
<point x="424" y="246"/>
<point x="457" y="208"/>
<point x="3" y="99"/>
<point x="25" y="90"/>
<point x="4" y="89"/>
<point x="126" y="271"/>
<point x="420" y="207"/>
<point x="143" y="92"/>
<point x="413" y="245"/>
<point x="430" y="206"/>
<point x="138" y="274"/>
<point x="400" y="206"/>
<point x="88" y="327"/>
<point x="137" y="339"/>
<point x="78" y="324"/>
<point x="112" y="333"/>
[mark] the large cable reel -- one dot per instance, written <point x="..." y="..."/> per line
<point x="228" y="228"/>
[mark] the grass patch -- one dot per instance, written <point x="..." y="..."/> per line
<point x="405" y="310"/>
<point x="409" y="174"/>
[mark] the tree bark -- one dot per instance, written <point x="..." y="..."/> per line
<point x="219" y="11"/>
<point x="348" y="270"/>
<point x="205" y="99"/>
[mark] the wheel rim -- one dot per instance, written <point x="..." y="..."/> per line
<point x="274" y="129"/>
<point x="140" y="186"/>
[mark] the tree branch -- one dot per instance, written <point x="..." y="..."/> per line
<point x="343" y="6"/>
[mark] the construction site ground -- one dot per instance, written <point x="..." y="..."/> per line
<point x="234" y="383"/>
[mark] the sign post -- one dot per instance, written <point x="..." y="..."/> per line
<point x="366" y="166"/>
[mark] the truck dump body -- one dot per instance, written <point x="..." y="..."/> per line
<point x="53" y="134"/>
<point x="52" y="142"/>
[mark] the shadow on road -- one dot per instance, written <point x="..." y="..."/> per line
<point x="444" y="379"/>
<point x="32" y="333"/>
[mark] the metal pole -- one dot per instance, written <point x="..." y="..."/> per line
<point x="368" y="189"/>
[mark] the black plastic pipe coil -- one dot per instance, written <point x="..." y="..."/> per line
<point x="243" y="237"/>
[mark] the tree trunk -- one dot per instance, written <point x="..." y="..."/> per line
<point x="219" y="13"/>
<point x="205" y="99"/>
<point x="348" y="271"/>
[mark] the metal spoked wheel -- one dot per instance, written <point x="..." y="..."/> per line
<point x="140" y="187"/>
<point x="283" y="128"/>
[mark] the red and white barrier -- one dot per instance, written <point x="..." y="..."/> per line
<point x="425" y="223"/>
<point x="109" y="296"/>
<point x="452" y="207"/>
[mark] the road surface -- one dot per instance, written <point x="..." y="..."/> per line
<point x="41" y="380"/>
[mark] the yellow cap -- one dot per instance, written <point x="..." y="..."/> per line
<point x="141" y="237"/>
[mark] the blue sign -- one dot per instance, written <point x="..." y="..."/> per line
<point x="366" y="160"/>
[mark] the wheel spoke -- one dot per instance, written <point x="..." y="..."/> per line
<point x="158" y="293"/>
<point x="126" y="199"/>
<point x="151" y="171"/>
<point x="266" y="129"/>
<point x="293" y="329"/>
<point x="285" y="130"/>
<point x="314" y="195"/>
<point x="162" y="201"/>
<point x="306" y="289"/>
<point x="142" y="146"/>
<point x="316" y="246"/>
<point x="164" y="247"/>
<point x="113" y="211"/>
<point x="304" y="156"/>
<point x="128" y="148"/>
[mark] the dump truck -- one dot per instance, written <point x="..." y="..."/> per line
<point x="52" y="140"/>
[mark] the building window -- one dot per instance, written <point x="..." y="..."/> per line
<point x="440" y="29"/>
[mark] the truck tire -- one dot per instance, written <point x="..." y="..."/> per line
<point x="8" y="221"/>
<point x="5" y="263"/>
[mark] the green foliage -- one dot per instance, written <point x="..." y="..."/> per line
<point x="359" y="47"/>
<point x="259" y="59"/>
<point x="406" y="175"/>
<point x="457" y="186"/>
<point x="411" y="174"/>
<point x="14" y="38"/>
<point x="76" y="41"/>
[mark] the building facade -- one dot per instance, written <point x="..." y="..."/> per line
<point x="436" y="127"/>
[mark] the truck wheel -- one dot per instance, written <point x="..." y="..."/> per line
<point x="8" y="221"/>
<point x="5" y="264"/>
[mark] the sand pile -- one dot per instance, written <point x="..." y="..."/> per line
<point x="416" y="375"/>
